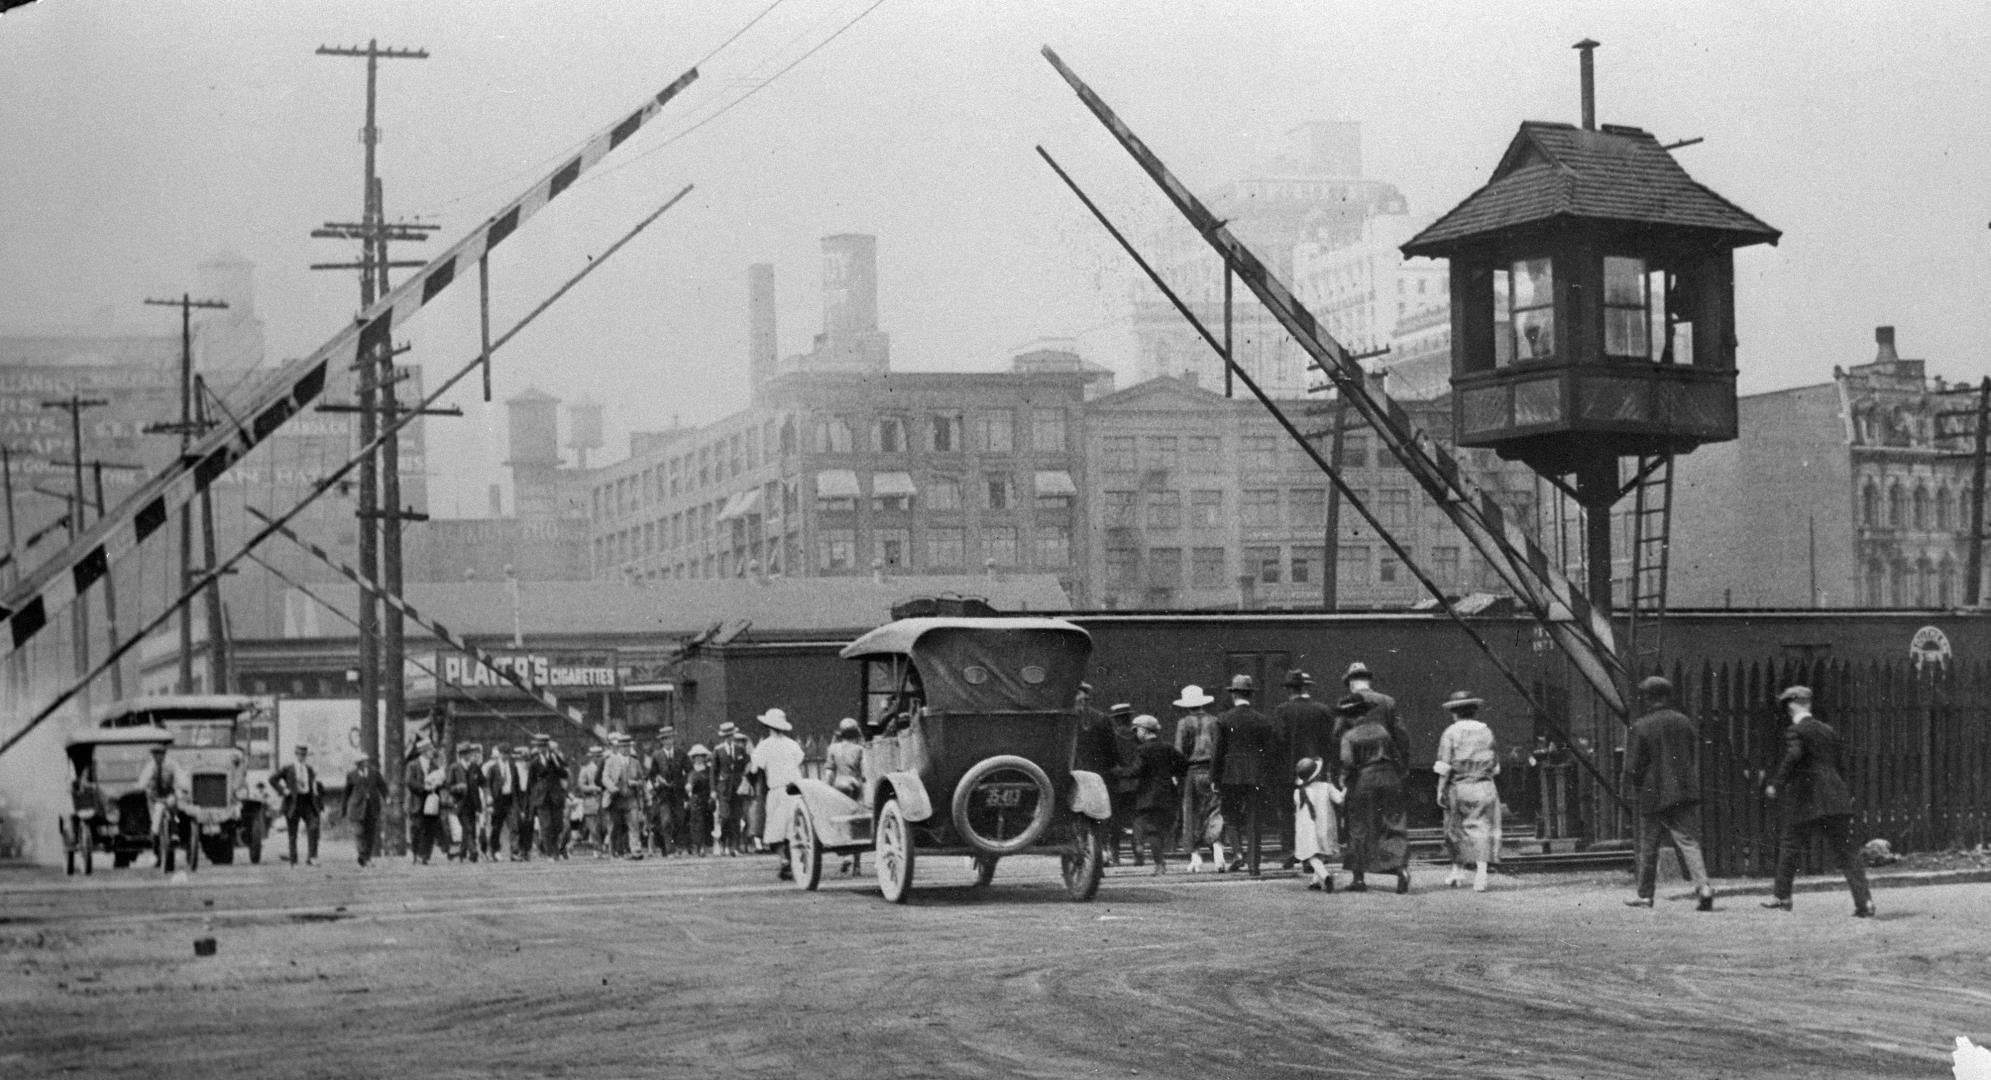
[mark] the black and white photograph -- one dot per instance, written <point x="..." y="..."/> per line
<point x="961" y="539"/>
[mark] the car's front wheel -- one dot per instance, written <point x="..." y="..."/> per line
<point x="805" y="855"/>
<point x="1082" y="859"/>
<point x="895" y="853"/>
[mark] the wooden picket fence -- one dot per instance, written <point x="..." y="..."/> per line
<point x="1920" y="742"/>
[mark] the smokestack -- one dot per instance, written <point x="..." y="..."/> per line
<point x="1883" y="336"/>
<point x="763" y="348"/>
<point x="1587" y="47"/>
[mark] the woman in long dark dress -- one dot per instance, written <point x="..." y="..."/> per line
<point x="1373" y="763"/>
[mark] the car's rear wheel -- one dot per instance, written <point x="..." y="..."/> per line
<point x="1082" y="859"/>
<point x="895" y="853"/>
<point x="805" y="855"/>
<point x="984" y="867"/>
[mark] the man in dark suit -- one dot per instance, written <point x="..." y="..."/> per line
<point x="1241" y="764"/>
<point x="524" y="771"/>
<point x="1660" y="756"/>
<point x="1360" y="681"/>
<point x="303" y="801"/>
<point x="1093" y="749"/>
<point x="549" y="795"/>
<point x="1120" y="787"/>
<point x="1156" y="767"/>
<point x="366" y="790"/>
<point x="1816" y="801"/>
<point x="1304" y="727"/>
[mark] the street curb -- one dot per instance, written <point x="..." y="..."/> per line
<point x="1906" y="880"/>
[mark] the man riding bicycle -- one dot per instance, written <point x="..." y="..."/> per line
<point x="160" y="781"/>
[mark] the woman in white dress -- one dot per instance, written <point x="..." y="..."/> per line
<point x="1316" y="837"/>
<point x="777" y="759"/>
<point x="1467" y="763"/>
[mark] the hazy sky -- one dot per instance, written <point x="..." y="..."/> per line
<point x="145" y="135"/>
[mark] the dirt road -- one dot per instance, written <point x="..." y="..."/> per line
<point x="712" y="969"/>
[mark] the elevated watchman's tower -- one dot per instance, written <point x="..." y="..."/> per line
<point x="1593" y="309"/>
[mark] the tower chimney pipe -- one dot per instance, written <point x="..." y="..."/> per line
<point x="1588" y="47"/>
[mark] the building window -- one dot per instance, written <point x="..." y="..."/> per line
<point x="1206" y="568"/>
<point x="788" y="436"/>
<point x="998" y="432"/>
<point x="1001" y="492"/>
<point x="1165" y="568"/>
<point x="1123" y="565"/>
<point x="1355" y="450"/>
<point x="895" y="547"/>
<point x="835" y="504"/>
<point x="889" y="434"/>
<point x="1206" y="453"/>
<point x="1525" y="294"/>
<point x="1945" y="508"/>
<point x="1261" y="454"/>
<point x="946" y="434"/>
<point x="1895" y="515"/>
<point x="1047" y="430"/>
<point x="1206" y="508"/>
<point x="836" y="550"/>
<point x="944" y="548"/>
<point x="1389" y="570"/>
<point x="1163" y="452"/>
<point x="1306" y="508"/>
<point x="1260" y="509"/>
<point x="833" y="435"/>
<point x="943" y="493"/>
<point x="1925" y="584"/>
<point x="892" y="504"/>
<point x="1263" y="563"/>
<point x="1055" y="490"/>
<point x="1445" y="567"/>
<point x="1119" y="509"/>
<point x="735" y="455"/>
<point x="1897" y="584"/>
<point x="1054" y="546"/>
<point x="1393" y="508"/>
<point x="1354" y="564"/>
<point x="1164" y="509"/>
<point x="791" y="497"/>
<point x="1001" y="540"/>
<point x="1869" y="505"/>
<point x="1116" y="454"/>
<point x="1626" y="301"/>
<point x="1946" y="584"/>
<point x="1920" y="507"/>
<point x="1307" y="563"/>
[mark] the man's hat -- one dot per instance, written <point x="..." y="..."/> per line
<point x="1352" y="705"/>
<point x="595" y="751"/>
<point x="1461" y="700"/>
<point x="775" y="719"/>
<point x="1357" y="670"/>
<point x="698" y="750"/>
<point x="1653" y="685"/>
<point x="1243" y="684"/>
<point x="159" y="748"/>
<point x="727" y="727"/>
<point x="848" y="723"/>
<point x="1193" y="697"/>
<point x="1795" y="693"/>
<point x="1085" y="688"/>
<point x="1145" y="722"/>
<point x="620" y="738"/>
<point x="1121" y="709"/>
<point x="466" y="749"/>
<point x="301" y="748"/>
<point x="542" y="740"/>
<point x="666" y="732"/>
<point x="1297" y="679"/>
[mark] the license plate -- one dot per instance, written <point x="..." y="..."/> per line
<point x="1003" y="797"/>
<point x="210" y="830"/>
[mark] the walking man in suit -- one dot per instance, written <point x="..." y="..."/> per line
<point x="366" y="791"/>
<point x="549" y="795"/>
<point x="303" y="801"/>
<point x="1816" y="801"/>
<point x="1304" y="725"/>
<point x="524" y="773"/>
<point x="1660" y="764"/>
<point x="1239" y="763"/>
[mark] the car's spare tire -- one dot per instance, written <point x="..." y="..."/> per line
<point x="1003" y="804"/>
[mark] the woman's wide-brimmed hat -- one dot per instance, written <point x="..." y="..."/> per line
<point x="775" y="719"/>
<point x="1462" y="700"/>
<point x="1193" y="697"/>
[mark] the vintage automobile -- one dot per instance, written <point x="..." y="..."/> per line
<point x="210" y="732"/>
<point x="968" y="736"/>
<point x="108" y="811"/>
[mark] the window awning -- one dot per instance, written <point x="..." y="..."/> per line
<point x="837" y="484"/>
<point x="732" y="508"/>
<point x="1055" y="482"/>
<point x="750" y="504"/>
<point x="886" y="484"/>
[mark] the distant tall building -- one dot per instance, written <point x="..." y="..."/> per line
<point x="1841" y="494"/>
<point x="1316" y="194"/>
<point x="1371" y="299"/>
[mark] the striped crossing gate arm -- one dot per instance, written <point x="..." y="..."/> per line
<point x="1584" y="632"/>
<point x="571" y="715"/>
<point x="55" y="584"/>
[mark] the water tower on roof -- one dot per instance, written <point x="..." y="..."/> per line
<point x="1593" y="310"/>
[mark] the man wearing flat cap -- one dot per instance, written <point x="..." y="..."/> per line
<point x="1121" y="786"/>
<point x="1810" y="787"/>
<point x="1660" y="765"/>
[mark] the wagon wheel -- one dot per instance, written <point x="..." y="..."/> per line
<point x="1082" y="860"/>
<point x="895" y="853"/>
<point x="805" y="855"/>
<point x="86" y="840"/>
<point x="984" y="867"/>
<point x="162" y="842"/>
<point x="191" y="830"/>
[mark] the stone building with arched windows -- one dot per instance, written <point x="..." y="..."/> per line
<point x="1842" y="494"/>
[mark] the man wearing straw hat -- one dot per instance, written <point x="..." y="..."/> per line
<point x="1196" y="740"/>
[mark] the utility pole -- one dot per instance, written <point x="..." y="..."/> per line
<point x="186" y="429"/>
<point x="373" y="232"/>
<point x="217" y="633"/>
<point x="1973" y="589"/>
<point x="110" y="578"/>
<point x="74" y="405"/>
